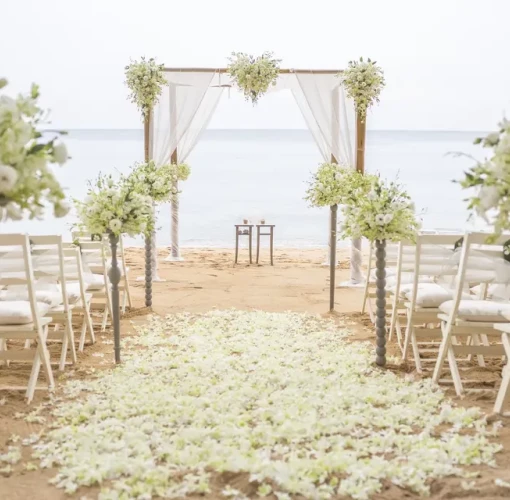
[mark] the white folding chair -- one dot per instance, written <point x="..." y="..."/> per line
<point x="503" y="397"/>
<point x="77" y="293"/>
<point x="469" y="319"/>
<point x="49" y="265"/>
<point x="23" y="319"/>
<point x="432" y="259"/>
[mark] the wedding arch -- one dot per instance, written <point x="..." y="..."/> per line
<point x="186" y="105"/>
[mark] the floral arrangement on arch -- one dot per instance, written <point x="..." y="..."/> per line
<point x="157" y="182"/>
<point x="491" y="179"/>
<point x="253" y="75"/>
<point x="363" y="81"/>
<point x="335" y="184"/>
<point x="386" y="212"/>
<point x="27" y="182"/>
<point x="115" y="208"/>
<point x="145" y="80"/>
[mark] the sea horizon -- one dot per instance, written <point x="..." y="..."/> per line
<point x="263" y="173"/>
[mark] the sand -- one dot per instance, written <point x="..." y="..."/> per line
<point x="208" y="279"/>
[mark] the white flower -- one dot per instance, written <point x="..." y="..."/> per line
<point x="61" y="209"/>
<point x="13" y="211"/>
<point x="372" y="196"/>
<point x="8" y="107"/>
<point x="489" y="196"/>
<point x="115" y="225"/>
<point x="60" y="153"/>
<point x="8" y="178"/>
<point x="379" y="219"/>
<point x="388" y="218"/>
<point x="492" y="139"/>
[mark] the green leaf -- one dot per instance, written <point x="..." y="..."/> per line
<point x="3" y="82"/>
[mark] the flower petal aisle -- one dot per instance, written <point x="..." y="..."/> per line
<point x="283" y="398"/>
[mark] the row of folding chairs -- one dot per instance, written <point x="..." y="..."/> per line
<point x="48" y="289"/>
<point x="449" y="304"/>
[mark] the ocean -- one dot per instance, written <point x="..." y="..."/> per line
<point x="256" y="174"/>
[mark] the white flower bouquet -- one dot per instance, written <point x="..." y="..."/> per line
<point x="363" y="82"/>
<point x="145" y="80"/>
<point x="27" y="183"/>
<point x="159" y="183"/>
<point x="335" y="184"/>
<point x="115" y="208"/>
<point x="491" y="179"/>
<point x="385" y="213"/>
<point x="253" y="75"/>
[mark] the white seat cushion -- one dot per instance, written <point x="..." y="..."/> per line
<point x="479" y="310"/>
<point x="94" y="281"/>
<point x="73" y="292"/>
<point x="18" y="312"/>
<point x="432" y="295"/>
<point x="44" y="292"/>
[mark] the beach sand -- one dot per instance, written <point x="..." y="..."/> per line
<point x="207" y="279"/>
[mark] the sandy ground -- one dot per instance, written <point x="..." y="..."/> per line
<point x="208" y="279"/>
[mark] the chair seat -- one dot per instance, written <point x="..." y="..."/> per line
<point x="94" y="282"/>
<point x="485" y="311"/>
<point x="29" y="327"/>
<point x="431" y="295"/>
<point x="18" y="312"/>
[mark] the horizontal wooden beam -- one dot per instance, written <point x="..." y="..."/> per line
<point x="224" y="70"/>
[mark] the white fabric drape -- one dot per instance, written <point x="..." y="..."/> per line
<point x="182" y="113"/>
<point x="328" y="114"/>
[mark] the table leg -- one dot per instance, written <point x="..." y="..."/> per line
<point x="250" y="243"/>
<point x="237" y="245"/>
<point x="271" y="245"/>
<point x="258" y="244"/>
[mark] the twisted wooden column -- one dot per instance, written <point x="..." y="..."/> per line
<point x="332" y="257"/>
<point x="114" y="275"/>
<point x="148" y="237"/>
<point x="380" y="321"/>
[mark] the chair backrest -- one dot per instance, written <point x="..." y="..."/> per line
<point x="49" y="262"/>
<point x="433" y="258"/>
<point x="480" y="262"/>
<point x="18" y="269"/>
<point x="75" y="272"/>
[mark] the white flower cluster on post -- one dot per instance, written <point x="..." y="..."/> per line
<point x="115" y="208"/>
<point x="145" y="80"/>
<point x="253" y="75"/>
<point x="363" y="82"/>
<point x="335" y="184"/>
<point x="27" y="182"/>
<point x="491" y="178"/>
<point x="157" y="182"/>
<point x="385" y="213"/>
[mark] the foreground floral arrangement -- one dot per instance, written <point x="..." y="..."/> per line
<point x="253" y="75"/>
<point x="157" y="182"/>
<point x="491" y="178"/>
<point x="26" y="180"/>
<point x="145" y="80"/>
<point x="363" y="82"/>
<point x="277" y="400"/>
<point x="115" y="207"/>
<point x="385" y="213"/>
<point x="335" y="184"/>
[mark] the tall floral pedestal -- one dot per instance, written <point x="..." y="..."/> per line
<point x="380" y="321"/>
<point x="114" y="274"/>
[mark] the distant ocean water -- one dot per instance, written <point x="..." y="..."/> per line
<point x="263" y="173"/>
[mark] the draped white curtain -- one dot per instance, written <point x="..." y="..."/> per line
<point x="182" y="114"/>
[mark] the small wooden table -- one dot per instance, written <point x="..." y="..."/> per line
<point x="271" y="239"/>
<point x="240" y="232"/>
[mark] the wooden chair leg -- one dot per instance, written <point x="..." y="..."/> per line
<point x="83" y="333"/>
<point x="250" y="242"/>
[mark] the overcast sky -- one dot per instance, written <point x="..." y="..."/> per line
<point x="446" y="61"/>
